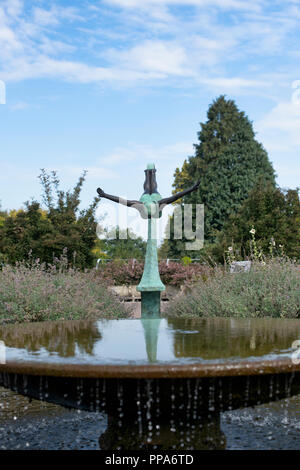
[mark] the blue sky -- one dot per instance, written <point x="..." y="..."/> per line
<point x="111" y="85"/>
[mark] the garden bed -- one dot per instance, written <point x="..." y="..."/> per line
<point x="270" y="289"/>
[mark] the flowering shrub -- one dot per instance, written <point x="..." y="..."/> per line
<point x="130" y="272"/>
<point x="37" y="292"/>
<point x="256" y="253"/>
<point x="269" y="289"/>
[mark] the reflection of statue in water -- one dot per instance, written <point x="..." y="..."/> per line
<point x="151" y="329"/>
<point x="150" y="207"/>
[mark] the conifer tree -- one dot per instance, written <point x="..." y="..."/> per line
<point x="229" y="162"/>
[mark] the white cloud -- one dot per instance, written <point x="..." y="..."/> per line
<point x="54" y="15"/>
<point x="45" y="17"/>
<point x="9" y="42"/>
<point x="51" y="47"/>
<point x="150" y="41"/>
<point x="144" y="153"/>
<point x="154" y="56"/>
<point x="224" y="4"/>
<point x="13" y="7"/>
<point x="282" y="120"/>
<point x="44" y="66"/>
<point x="279" y="132"/>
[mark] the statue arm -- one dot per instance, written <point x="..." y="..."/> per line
<point x="169" y="200"/>
<point x="117" y="199"/>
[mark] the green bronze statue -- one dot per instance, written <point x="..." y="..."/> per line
<point x="150" y="207"/>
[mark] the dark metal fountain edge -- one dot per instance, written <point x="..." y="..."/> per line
<point x="163" y="370"/>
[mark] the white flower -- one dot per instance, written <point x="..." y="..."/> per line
<point x="230" y="248"/>
<point x="263" y="263"/>
<point x="252" y="231"/>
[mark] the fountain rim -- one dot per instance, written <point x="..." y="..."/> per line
<point x="159" y="371"/>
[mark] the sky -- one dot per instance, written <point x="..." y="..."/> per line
<point x="109" y="86"/>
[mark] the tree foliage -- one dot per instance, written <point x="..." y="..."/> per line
<point x="228" y="161"/>
<point x="121" y="244"/>
<point x="46" y="234"/>
<point x="275" y="216"/>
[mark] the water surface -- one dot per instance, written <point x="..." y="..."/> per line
<point x="136" y="341"/>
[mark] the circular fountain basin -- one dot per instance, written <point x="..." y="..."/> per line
<point x="151" y="348"/>
<point x="154" y="371"/>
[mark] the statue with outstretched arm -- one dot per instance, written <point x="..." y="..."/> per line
<point x="168" y="200"/>
<point x="150" y="207"/>
<point x="117" y="199"/>
<point x="150" y="195"/>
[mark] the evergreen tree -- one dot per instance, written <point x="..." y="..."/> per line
<point x="228" y="161"/>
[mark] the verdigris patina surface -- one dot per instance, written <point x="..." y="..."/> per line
<point x="150" y="207"/>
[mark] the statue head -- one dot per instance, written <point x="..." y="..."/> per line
<point x="150" y="185"/>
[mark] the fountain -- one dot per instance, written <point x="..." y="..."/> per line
<point x="162" y="382"/>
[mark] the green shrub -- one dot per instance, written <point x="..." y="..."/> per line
<point x="186" y="260"/>
<point x="129" y="272"/>
<point x="37" y="292"/>
<point x="271" y="288"/>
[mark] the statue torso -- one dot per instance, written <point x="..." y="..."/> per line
<point x="150" y="202"/>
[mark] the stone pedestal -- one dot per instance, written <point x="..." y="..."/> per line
<point x="150" y="306"/>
